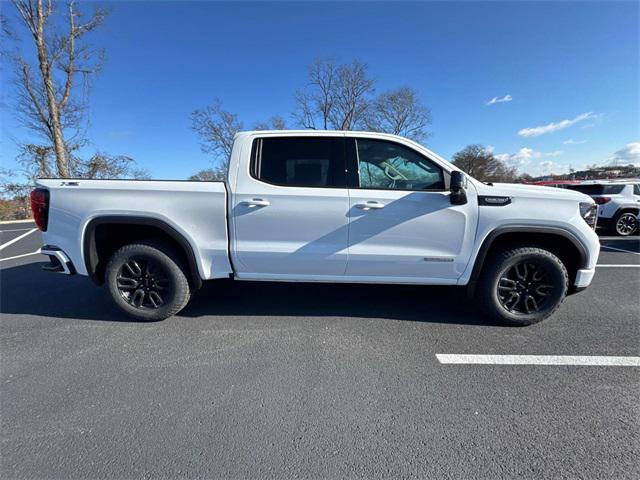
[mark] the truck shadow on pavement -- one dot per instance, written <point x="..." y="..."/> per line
<point x="394" y="302"/>
<point x="27" y="290"/>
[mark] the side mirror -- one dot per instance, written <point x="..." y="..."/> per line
<point x="458" y="182"/>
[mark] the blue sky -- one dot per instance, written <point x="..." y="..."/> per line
<point x="570" y="68"/>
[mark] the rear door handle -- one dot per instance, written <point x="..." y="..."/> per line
<point x="256" y="202"/>
<point x="370" y="205"/>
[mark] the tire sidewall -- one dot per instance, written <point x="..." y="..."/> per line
<point x="176" y="276"/>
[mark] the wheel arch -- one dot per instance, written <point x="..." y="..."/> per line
<point x="559" y="241"/>
<point x="126" y="229"/>
<point x="630" y="208"/>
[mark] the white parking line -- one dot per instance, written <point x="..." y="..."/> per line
<point x="619" y="249"/>
<point x="20" y="256"/>
<point x="11" y="242"/>
<point x="599" y="361"/>
<point x="617" y="266"/>
<point x="616" y="238"/>
<point x="15" y="230"/>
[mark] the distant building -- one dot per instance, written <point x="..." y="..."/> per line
<point x="596" y="173"/>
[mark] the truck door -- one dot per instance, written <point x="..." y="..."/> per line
<point x="290" y="209"/>
<point x="402" y="223"/>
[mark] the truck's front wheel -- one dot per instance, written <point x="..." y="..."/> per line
<point x="522" y="286"/>
<point x="146" y="283"/>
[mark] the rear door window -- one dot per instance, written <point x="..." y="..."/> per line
<point x="299" y="161"/>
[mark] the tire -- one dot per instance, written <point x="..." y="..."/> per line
<point x="625" y="224"/>
<point x="154" y="290"/>
<point x="503" y="289"/>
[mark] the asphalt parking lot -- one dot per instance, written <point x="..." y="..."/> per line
<point x="312" y="381"/>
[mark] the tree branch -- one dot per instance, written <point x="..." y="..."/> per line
<point x="70" y="60"/>
<point x="26" y="78"/>
<point x="25" y="9"/>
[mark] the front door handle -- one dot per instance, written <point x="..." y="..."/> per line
<point x="256" y="202"/>
<point x="370" y="205"/>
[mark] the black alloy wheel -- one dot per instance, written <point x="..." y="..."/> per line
<point x="524" y="288"/>
<point x="143" y="283"/>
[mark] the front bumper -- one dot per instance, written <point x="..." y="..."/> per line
<point x="584" y="277"/>
<point x="58" y="260"/>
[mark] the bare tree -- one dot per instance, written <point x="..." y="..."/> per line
<point x="399" y="112"/>
<point x="336" y="96"/>
<point x="481" y="164"/>
<point x="217" y="127"/>
<point x="35" y="161"/>
<point x="351" y="96"/>
<point x="208" y="175"/>
<point x="315" y="102"/>
<point x="48" y="103"/>
<point x="274" y="123"/>
<point x="104" y="166"/>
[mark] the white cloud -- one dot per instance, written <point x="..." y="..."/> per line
<point x="490" y="149"/>
<point x="553" y="127"/>
<point x="555" y="153"/>
<point x="505" y="99"/>
<point x="549" y="167"/>
<point x="571" y="141"/>
<point x="629" y="154"/>
<point x="524" y="156"/>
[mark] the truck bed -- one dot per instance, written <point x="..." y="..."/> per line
<point x="197" y="210"/>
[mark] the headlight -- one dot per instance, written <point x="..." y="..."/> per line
<point x="589" y="212"/>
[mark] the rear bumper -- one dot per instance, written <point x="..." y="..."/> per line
<point x="58" y="260"/>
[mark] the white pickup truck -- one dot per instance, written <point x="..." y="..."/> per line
<point x="323" y="206"/>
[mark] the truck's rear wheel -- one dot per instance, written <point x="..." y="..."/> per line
<point x="523" y="286"/>
<point x="146" y="283"/>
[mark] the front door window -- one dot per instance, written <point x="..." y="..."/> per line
<point x="391" y="166"/>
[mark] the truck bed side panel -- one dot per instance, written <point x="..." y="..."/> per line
<point x="197" y="210"/>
